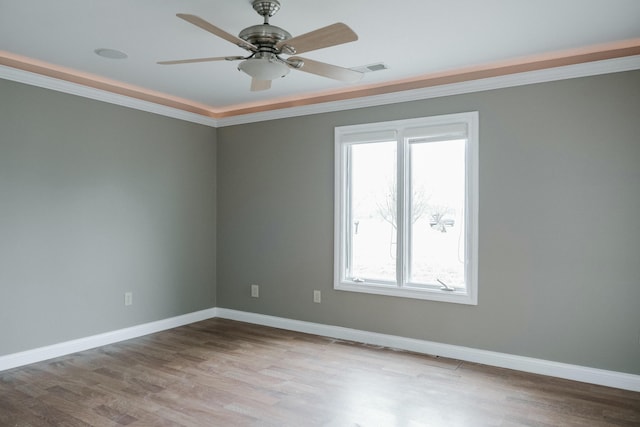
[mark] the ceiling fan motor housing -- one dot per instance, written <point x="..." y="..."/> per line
<point x="264" y="36"/>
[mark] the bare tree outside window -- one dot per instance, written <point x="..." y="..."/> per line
<point x="386" y="208"/>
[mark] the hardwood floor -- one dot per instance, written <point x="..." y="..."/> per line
<point x="225" y="373"/>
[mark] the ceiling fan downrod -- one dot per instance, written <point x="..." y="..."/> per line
<point x="266" y="9"/>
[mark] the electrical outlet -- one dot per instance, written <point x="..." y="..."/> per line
<point x="255" y="291"/>
<point x="317" y="297"/>
<point x="128" y="298"/>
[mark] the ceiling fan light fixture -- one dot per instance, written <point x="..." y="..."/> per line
<point x="263" y="68"/>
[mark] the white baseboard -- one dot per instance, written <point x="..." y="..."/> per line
<point x="68" y="347"/>
<point x="526" y="364"/>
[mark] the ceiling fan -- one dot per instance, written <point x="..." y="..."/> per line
<point x="266" y="43"/>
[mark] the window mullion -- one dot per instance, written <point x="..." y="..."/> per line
<point x="406" y="211"/>
<point x="401" y="213"/>
<point x="348" y="211"/>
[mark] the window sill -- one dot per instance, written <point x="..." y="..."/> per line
<point x="456" y="297"/>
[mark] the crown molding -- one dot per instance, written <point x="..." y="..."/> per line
<point x="585" y="69"/>
<point x="499" y="82"/>
<point x="39" y="80"/>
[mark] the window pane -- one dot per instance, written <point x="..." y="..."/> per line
<point x="437" y="219"/>
<point x="373" y="211"/>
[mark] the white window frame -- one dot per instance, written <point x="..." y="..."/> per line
<point x="346" y="136"/>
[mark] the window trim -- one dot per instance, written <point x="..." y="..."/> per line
<point x="345" y="136"/>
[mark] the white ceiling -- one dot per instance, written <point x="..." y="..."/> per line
<point x="412" y="37"/>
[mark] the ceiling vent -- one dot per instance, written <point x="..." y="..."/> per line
<point x="371" y="68"/>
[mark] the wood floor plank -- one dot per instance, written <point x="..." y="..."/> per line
<point x="224" y="373"/>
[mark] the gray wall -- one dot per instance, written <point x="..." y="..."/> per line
<point x="559" y="266"/>
<point x="96" y="200"/>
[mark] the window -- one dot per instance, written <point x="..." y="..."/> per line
<point x="406" y="208"/>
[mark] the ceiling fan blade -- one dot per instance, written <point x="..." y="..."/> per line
<point x="331" y="35"/>
<point x="199" y="22"/>
<point x="327" y="70"/>
<point x="190" y="61"/>
<point x="258" y="85"/>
